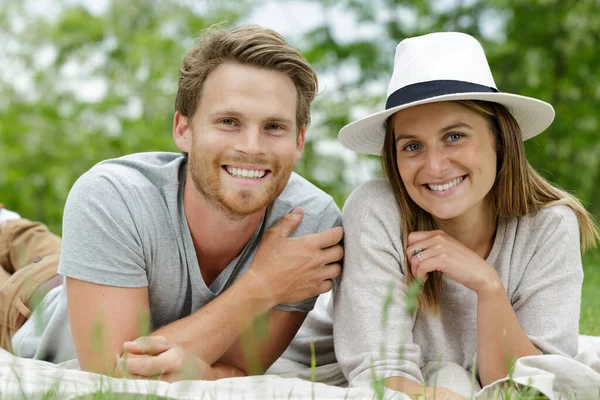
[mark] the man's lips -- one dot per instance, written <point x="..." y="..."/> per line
<point x="247" y="171"/>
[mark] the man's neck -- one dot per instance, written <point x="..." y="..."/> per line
<point x="218" y="236"/>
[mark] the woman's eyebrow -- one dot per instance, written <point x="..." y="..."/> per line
<point x="403" y="136"/>
<point x="456" y="125"/>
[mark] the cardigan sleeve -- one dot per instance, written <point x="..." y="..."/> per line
<point x="372" y="329"/>
<point x="547" y="299"/>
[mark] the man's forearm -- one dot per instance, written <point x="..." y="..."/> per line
<point x="209" y="332"/>
<point x="222" y="371"/>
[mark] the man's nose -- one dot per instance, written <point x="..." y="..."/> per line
<point x="250" y="141"/>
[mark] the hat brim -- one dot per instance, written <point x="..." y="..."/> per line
<point x="367" y="134"/>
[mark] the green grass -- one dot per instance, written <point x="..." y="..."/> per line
<point x="589" y="323"/>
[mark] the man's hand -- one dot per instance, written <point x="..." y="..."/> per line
<point x="154" y="357"/>
<point x="292" y="269"/>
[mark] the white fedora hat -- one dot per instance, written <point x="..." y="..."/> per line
<point x="441" y="67"/>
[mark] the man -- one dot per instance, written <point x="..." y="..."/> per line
<point x="219" y="252"/>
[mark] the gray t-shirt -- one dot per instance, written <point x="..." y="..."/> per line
<point x="124" y="225"/>
<point x="537" y="258"/>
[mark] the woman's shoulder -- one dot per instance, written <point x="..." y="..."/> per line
<point x="552" y="226"/>
<point x="374" y="194"/>
<point x="555" y="217"/>
<point x="371" y="203"/>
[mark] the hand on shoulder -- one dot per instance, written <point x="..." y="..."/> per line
<point x="292" y="269"/>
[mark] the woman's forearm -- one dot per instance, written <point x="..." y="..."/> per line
<point x="417" y="391"/>
<point x="501" y="339"/>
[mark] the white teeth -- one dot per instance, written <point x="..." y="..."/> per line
<point x="441" y="188"/>
<point x="246" y="173"/>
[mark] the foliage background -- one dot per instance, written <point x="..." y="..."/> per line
<point x="78" y="86"/>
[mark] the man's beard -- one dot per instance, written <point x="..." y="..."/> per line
<point x="206" y="175"/>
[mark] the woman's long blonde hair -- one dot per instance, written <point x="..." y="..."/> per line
<point x="519" y="190"/>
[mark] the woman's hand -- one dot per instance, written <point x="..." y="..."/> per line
<point x="429" y="251"/>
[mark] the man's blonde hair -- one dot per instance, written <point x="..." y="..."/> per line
<point x="249" y="45"/>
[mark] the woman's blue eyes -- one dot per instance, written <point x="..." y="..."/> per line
<point x="453" y="137"/>
<point x="412" y="147"/>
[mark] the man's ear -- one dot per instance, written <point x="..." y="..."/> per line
<point x="182" y="133"/>
<point x="300" y="144"/>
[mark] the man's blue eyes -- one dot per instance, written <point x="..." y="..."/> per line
<point x="271" y="127"/>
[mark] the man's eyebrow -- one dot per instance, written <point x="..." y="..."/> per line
<point x="235" y="113"/>
<point x="227" y="111"/>
<point x="278" y="118"/>
<point x="404" y="136"/>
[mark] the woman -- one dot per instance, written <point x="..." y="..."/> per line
<point x="495" y="247"/>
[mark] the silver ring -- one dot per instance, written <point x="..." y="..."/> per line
<point x="419" y="256"/>
<point x="417" y="251"/>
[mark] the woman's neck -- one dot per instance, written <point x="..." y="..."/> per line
<point x="475" y="229"/>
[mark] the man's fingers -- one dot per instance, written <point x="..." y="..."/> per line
<point x="148" y="366"/>
<point x="150" y="345"/>
<point x="289" y="222"/>
<point x="125" y="363"/>
<point x="325" y="286"/>
<point x="325" y="239"/>
<point x="332" y="254"/>
<point x="331" y="271"/>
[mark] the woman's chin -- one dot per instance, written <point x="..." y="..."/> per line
<point x="446" y="214"/>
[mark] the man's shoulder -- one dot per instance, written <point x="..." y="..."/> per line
<point x="299" y="192"/>
<point x="151" y="168"/>
<point x="320" y="210"/>
<point x="139" y="181"/>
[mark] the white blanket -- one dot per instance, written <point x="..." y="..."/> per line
<point x="555" y="377"/>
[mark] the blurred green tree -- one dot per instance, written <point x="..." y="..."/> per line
<point x="544" y="49"/>
<point x="78" y="86"/>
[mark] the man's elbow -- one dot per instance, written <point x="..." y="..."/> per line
<point x="222" y="371"/>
